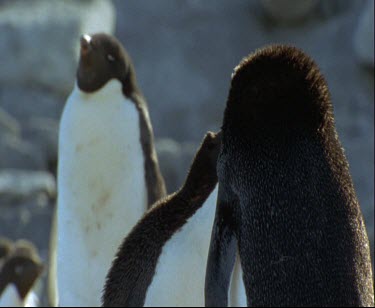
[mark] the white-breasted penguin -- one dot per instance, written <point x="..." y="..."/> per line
<point x="286" y="199"/>
<point x="20" y="271"/>
<point x="108" y="171"/>
<point x="162" y="261"/>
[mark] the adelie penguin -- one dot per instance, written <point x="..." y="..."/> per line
<point x="162" y="261"/>
<point x="18" y="275"/>
<point x="5" y="249"/>
<point x="286" y="199"/>
<point x="108" y="169"/>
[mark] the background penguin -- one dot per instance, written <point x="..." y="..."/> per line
<point x="162" y="261"/>
<point x="286" y="198"/>
<point x="5" y="249"/>
<point x="18" y="275"/>
<point x="108" y="170"/>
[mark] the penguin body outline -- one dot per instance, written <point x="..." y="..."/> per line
<point x="286" y="198"/>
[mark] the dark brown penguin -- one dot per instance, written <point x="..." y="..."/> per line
<point x="18" y="275"/>
<point x="134" y="267"/>
<point x="5" y="248"/>
<point x="286" y="198"/>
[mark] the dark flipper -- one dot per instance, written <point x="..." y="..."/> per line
<point x="134" y="267"/>
<point x="154" y="180"/>
<point x="222" y="253"/>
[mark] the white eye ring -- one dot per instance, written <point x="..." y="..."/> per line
<point x="110" y="58"/>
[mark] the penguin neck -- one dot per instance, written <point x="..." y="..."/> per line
<point x="107" y="90"/>
<point x="278" y="155"/>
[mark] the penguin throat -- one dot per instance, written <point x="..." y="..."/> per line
<point x="107" y="90"/>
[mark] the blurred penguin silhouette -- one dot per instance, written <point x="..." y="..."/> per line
<point x="21" y="269"/>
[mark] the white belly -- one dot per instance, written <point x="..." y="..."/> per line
<point x="180" y="274"/>
<point x="101" y="189"/>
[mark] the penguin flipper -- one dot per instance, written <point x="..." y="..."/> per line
<point x="156" y="188"/>
<point x="222" y="254"/>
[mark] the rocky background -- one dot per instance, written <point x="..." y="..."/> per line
<point x="184" y="52"/>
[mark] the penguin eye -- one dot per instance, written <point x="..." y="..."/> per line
<point x="110" y="58"/>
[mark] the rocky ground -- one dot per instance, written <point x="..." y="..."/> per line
<point x="184" y="52"/>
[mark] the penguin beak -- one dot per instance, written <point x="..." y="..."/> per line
<point x="85" y="44"/>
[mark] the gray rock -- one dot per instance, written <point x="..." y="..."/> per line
<point x="364" y="35"/>
<point x="23" y="102"/>
<point x="19" y="185"/>
<point x="20" y="154"/>
<point x="39" y="40"/>
<point x="43" y="133"/>
<point x="34" y="114"/>
<point x="9" y="124"/>
<point x="287" y="11"/>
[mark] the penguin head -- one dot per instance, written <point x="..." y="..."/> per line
<point x="202" y="176"/>
<point x="278" y="88"/>
<point x="102" y="58"/>
<point x="5" y="248"/>
<point x="22" y="268"/>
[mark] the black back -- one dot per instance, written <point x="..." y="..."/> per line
<point x="286" y="197"/>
